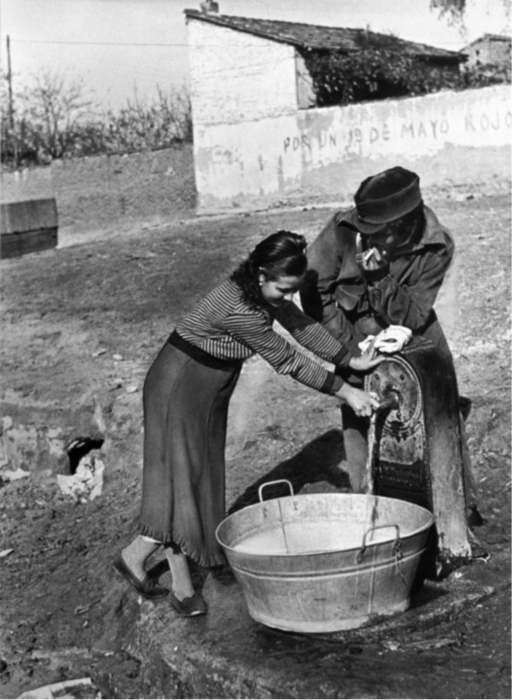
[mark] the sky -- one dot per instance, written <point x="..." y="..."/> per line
<point x="126" y="48"/>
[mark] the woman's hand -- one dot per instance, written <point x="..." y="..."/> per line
<point x="362" y="403"/>
<point x="368" y="360"/>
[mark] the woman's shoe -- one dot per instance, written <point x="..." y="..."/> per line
<point x="146" y="587"/>
<point x="189" y="607"/>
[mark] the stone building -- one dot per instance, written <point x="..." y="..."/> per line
<point x="489" y="49"/>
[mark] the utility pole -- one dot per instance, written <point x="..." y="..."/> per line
<point x="11" y="135"/>
<point x="9" y="81"/>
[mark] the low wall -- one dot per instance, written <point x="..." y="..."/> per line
<point x="28" y="226"/>
<point x="449" y="138"/>
<point x="102" y="191"/>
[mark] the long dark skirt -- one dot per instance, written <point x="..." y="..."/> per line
<point x="185" y="419"/>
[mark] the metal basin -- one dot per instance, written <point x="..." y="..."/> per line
<point x="325" y="562"/>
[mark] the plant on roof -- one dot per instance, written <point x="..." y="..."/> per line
<point x="374" y="74"/>
<point x="384" y="66"/>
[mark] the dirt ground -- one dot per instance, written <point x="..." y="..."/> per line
<point x="80" y="327"/>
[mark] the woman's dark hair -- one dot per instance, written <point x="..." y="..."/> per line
<point x="282" y="254"/>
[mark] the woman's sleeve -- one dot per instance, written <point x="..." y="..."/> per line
<point x="312" y="335"/>
<point x="255" y="331"/>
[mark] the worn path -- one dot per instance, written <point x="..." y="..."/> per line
<point x="80" y="326"/>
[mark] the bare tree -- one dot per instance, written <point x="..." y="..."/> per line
<point x="45" y="118"/>
<point x="57" y="107"/>
<point x="54" y="117"/>
<point x="141" y="125"/>
<point x="454" y="10"/>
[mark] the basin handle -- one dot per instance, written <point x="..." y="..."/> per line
<point x="396" y="543"/>
<point x="271" y="483"/>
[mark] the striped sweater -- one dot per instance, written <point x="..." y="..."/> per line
<point x="226" y="327"/>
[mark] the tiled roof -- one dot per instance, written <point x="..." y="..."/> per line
<point x="316" y="37"/>
<point x="488" y="37"/>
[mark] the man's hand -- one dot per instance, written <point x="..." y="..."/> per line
<point x="374" y="264"/>
<point x="362" y="403"/>
<point x="368" y="360"/>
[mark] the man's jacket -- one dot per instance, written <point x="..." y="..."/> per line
<point x="337" y="294"/>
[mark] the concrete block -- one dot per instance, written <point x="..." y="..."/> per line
<point x="28" y="227"/>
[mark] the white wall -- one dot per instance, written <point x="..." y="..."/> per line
<point x="254" y="147"/>
<point x="238" y="77"/>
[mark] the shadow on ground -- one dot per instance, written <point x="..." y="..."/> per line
<point x="317" y="462"/>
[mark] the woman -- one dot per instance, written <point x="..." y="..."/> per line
<point x="186" y="398"/>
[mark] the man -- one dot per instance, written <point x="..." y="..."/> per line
<point x="381" y="263"/>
